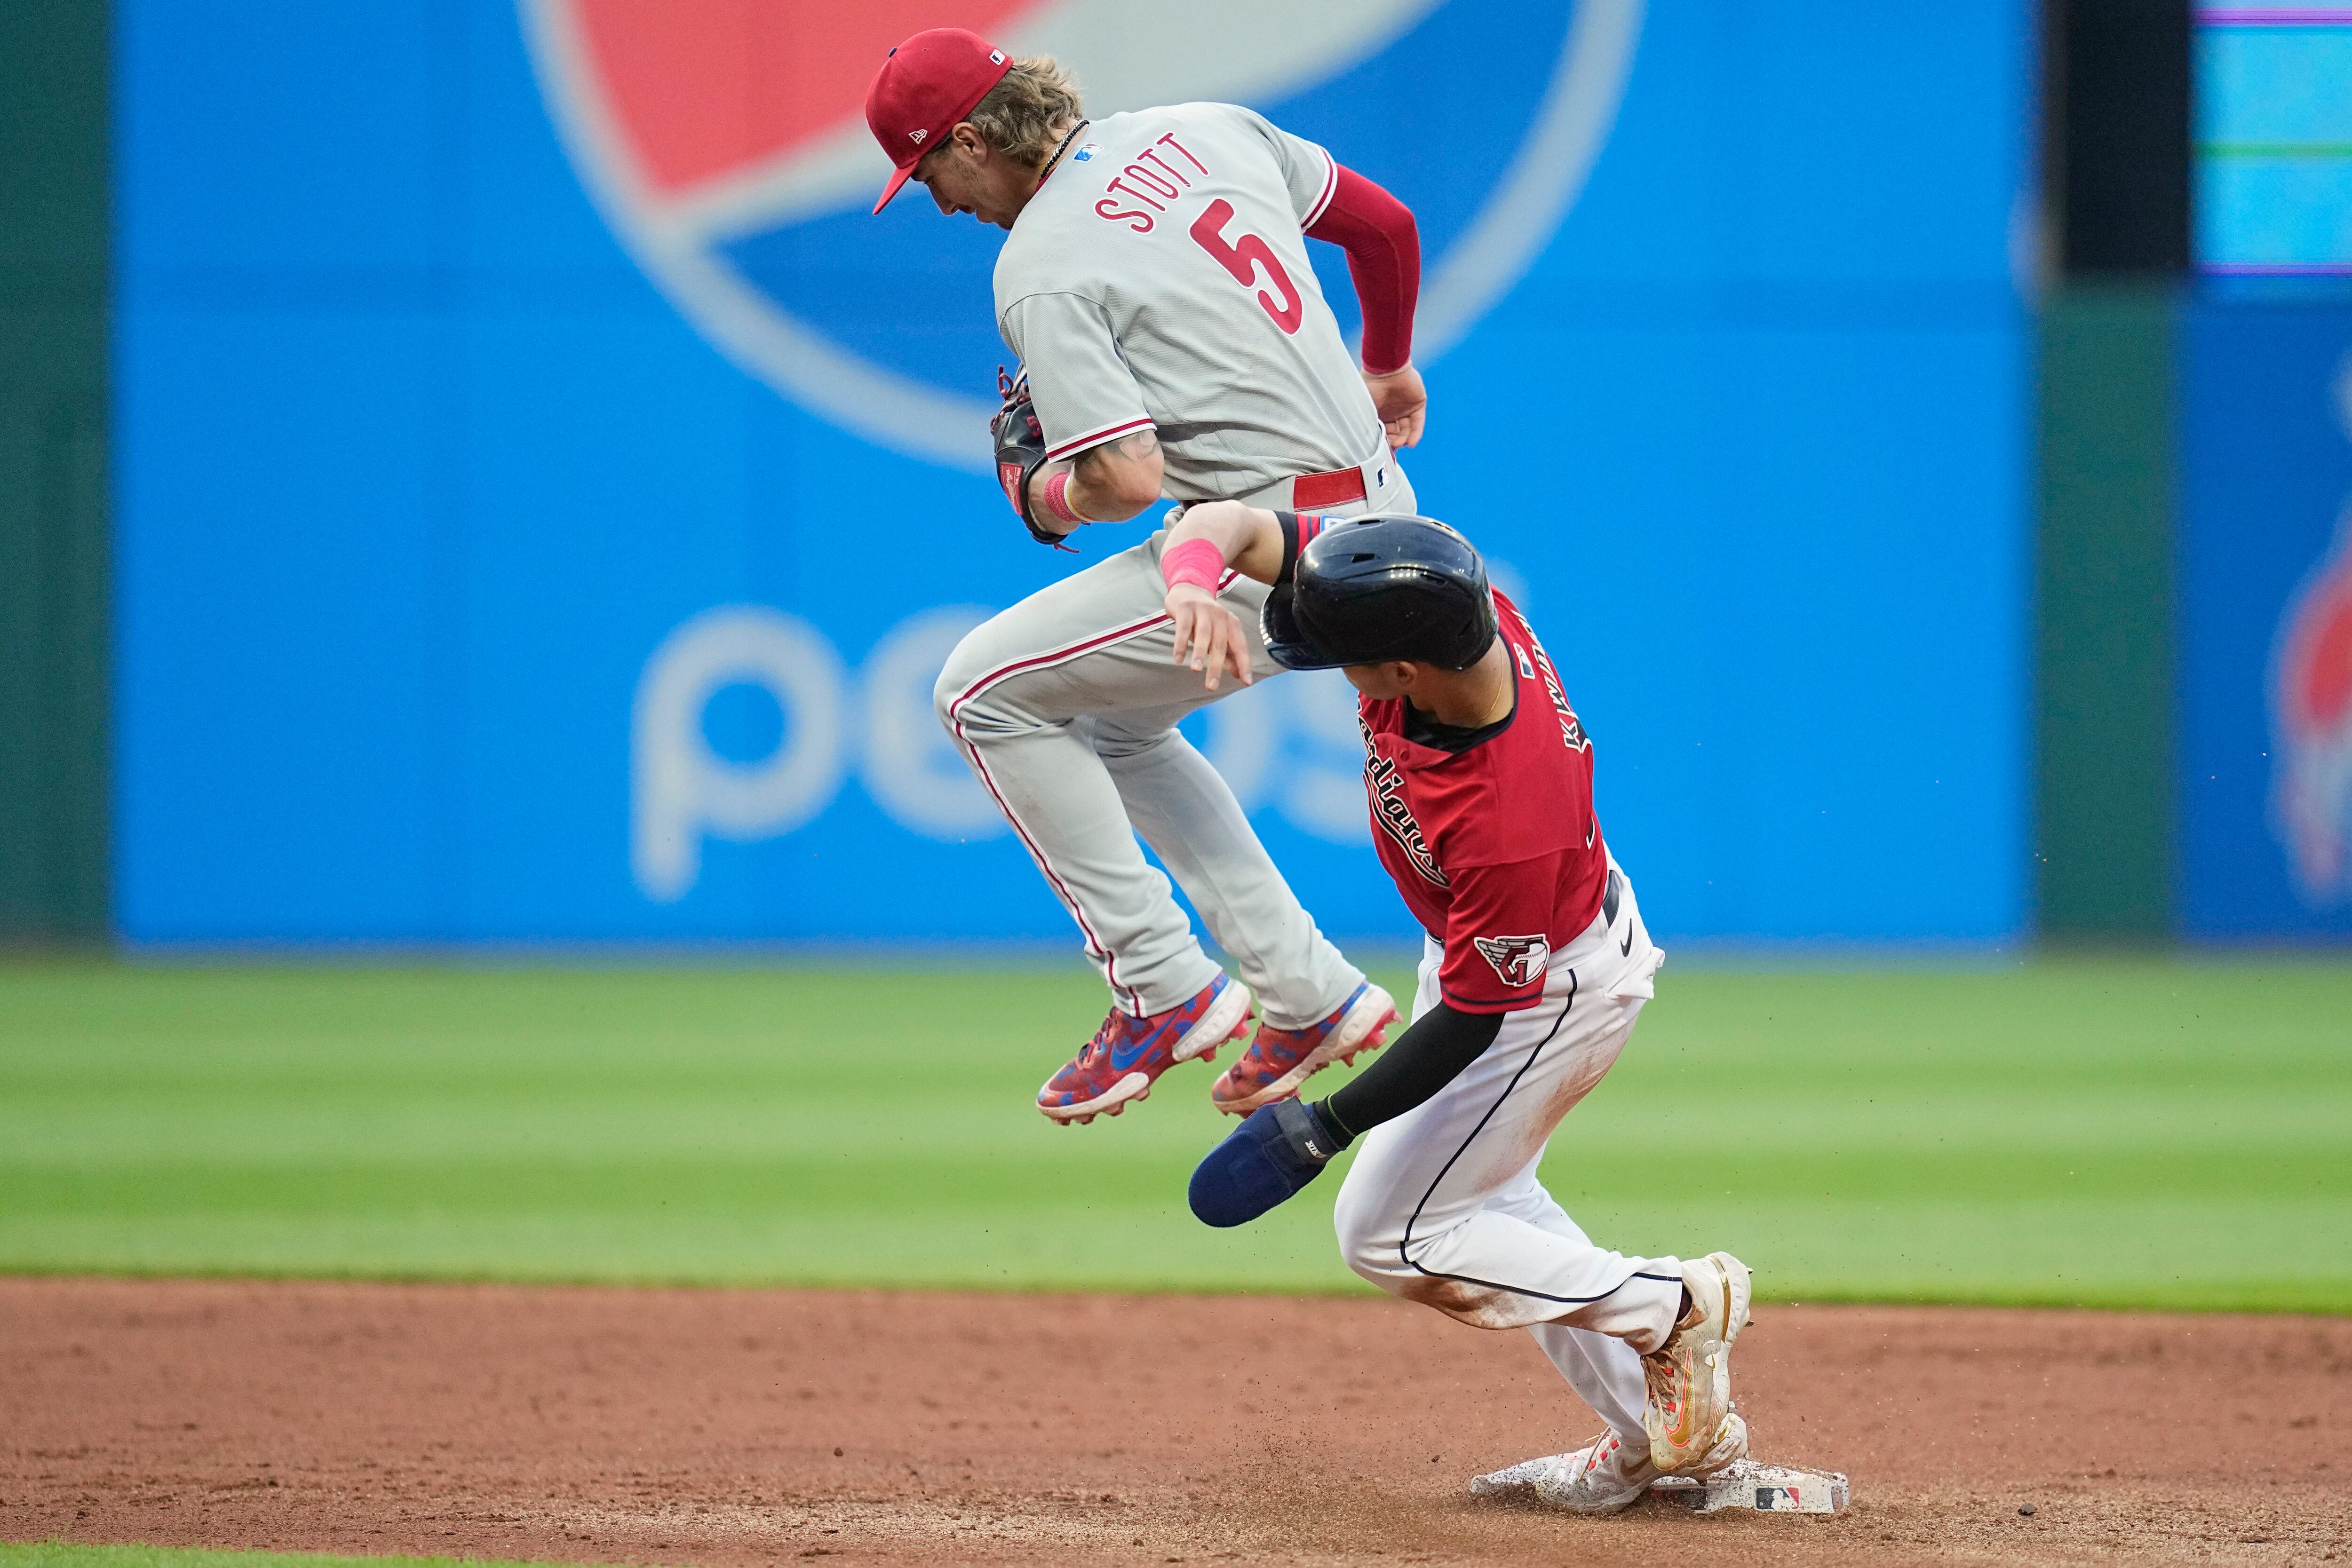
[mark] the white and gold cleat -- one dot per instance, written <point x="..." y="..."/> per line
<point x="1689" y="1376"/>
<point x="1607" y="1478"/>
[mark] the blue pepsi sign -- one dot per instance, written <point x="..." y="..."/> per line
<point x="547" y="495"/>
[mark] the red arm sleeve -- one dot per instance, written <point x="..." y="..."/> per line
<point x="1498" y="935"/>
<point x="1384" y="246"/>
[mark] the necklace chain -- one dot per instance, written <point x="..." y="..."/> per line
<point x="1047" y="171"/>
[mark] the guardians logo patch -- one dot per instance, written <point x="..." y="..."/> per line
<point x="1519" y="960"/>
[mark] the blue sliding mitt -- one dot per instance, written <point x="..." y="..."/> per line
<point x="1277" y="1150"/>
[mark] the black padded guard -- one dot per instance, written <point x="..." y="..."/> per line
<point x="1020" y="438"/>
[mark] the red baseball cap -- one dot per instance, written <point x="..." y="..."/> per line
<point x="929" y="83"/>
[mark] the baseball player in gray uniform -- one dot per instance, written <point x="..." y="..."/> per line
<point x="1173" y="344"/>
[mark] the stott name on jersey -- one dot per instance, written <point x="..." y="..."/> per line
<point x="1170" y="179"/>
<point x="1159" y="279"/>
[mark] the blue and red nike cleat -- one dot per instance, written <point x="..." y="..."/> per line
<point x="1279" y="1060"/>
<point x="1128" y="1052"/>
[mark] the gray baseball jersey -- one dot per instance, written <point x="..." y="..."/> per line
<point x="1159" y="279"/>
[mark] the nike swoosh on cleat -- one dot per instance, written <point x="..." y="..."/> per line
<point x="1680" y="1432"/>
<point x="1124" y="1061"/>
<point x="1627" y="950"/>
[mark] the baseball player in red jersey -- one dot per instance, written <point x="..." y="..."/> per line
<point x="1173" y="343"/>
<point x="1537" y="965"/>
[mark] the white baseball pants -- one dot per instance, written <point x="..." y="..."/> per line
<point x="1066" y="706"/>
<point x="1442" y="1206"/>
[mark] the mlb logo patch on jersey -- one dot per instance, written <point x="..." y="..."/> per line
<point x="1086" y="154"/>
<point x="1518" y="960"/>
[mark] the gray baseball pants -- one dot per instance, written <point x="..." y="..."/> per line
<point x="1066" y="706"/>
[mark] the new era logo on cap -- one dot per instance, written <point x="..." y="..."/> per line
<point x="917" y="134"/>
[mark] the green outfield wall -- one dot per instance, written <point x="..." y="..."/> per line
<point x="2105" y="797"/>
<point x="2115" y="110"/>
<point x="54" y="238"/>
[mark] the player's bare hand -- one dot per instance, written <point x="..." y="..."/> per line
<point x="1209" y="636"/>
<point x="1401" y="401"/>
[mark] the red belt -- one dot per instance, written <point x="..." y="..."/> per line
<point x="1337" y="488"/>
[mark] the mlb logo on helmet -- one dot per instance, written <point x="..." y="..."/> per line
<point x="725" y="144"/>
<point x="2311" y="704"/>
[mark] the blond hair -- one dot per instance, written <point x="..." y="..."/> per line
<point x="1026" y="113"/>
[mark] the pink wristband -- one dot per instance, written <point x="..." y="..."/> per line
<point x="1193" y="560"/>
<point x="1057" y="499"/>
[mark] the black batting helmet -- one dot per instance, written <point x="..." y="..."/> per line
<point x="1368" y="589"/>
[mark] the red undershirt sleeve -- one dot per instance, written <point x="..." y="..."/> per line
<point x="1384" y="246"/>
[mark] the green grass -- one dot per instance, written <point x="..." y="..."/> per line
<point x="2097" y="1132"/>
<point x="60" y="1555"/>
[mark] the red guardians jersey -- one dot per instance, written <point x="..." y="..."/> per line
<point x="1495" y="846"/>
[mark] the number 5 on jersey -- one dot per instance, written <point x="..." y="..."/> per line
<point x="1242" y="257"/>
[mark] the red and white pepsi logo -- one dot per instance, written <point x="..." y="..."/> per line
<point x="725" y="141"/>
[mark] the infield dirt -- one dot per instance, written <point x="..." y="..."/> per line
<point x="735" y="1426"/>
